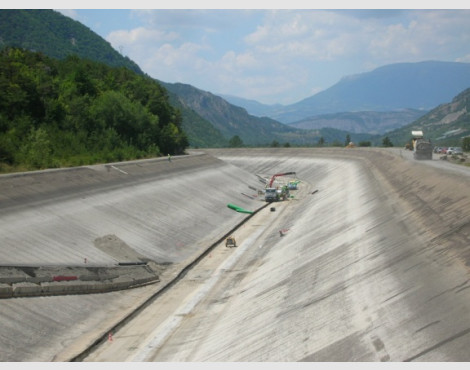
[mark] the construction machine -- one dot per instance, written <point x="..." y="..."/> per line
<point x="275" y="194"/>
<point x="230" y="242"/>
<point x="292" y="185"/>
<point x="422" y="148"/>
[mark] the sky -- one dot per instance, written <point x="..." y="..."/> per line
<point x="269" y="53"/>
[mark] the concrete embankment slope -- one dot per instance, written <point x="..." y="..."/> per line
<point x="375" y="267"/>
<point x="161" y="210"/>
<point x="99" y="216"/>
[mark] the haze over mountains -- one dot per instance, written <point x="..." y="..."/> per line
<point x="355" y="122"/>
<point x="395" y="87"/>
<point x="373" y="103"/>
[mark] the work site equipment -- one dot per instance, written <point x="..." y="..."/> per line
<point x="238" y="209"/>
<point x="278" y="193"/>
<point x="277" y="175"/>
<point x="292" y="185"/>
<point x="422" y="148"/>
<point x="230" y="242"/>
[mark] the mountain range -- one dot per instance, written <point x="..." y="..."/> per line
<point x="356" y="122"/>
<point x="366" y="105"/>
<point x="419" y="86"/>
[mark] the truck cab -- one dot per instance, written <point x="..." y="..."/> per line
<point x="271" y="195"/>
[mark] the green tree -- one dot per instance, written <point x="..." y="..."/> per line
<point x="321" y="141"/>
<point x="36" y="151"/>
<point x="235" y="142"/>
<point x="75" y="111"/>
<point x="348" y="140"/>
<point x="466" y="144"/>
<point x="275" y="144"/>
<point x="386" y="142"/>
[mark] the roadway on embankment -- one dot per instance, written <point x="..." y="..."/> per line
<point x="372" y="267"/>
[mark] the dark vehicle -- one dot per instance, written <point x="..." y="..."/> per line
<point x="230" y="242"/>
<point x="422" y="148"/>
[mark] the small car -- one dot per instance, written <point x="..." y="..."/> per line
<point x="455" y="150"/>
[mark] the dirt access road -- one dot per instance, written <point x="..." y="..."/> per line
<point x="374" y="266"/>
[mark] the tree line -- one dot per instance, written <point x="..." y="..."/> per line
<point x="237" y="142"/>
<point x="58" y="113"/>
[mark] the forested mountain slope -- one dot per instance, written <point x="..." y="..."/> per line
<point x="56" y="113"/>
<point x="57" y="36"/>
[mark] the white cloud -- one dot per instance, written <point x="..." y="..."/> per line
<point x="438" y="35"/>
<point x="363" y="39"/>
<point x="71" y="13"/>
<point x="464" y="59"/>
<point x="161" y="54"/>
<point x="233" y="62"/>
<point x="284" y="56"/>
<point x="140" y="36"/>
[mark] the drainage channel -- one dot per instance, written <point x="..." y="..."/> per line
<point x="156" y="295"/>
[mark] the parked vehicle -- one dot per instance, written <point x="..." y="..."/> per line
<point x="437" y="149"/>
<point x="443" y="150"/>
<point x="455" y="150"/>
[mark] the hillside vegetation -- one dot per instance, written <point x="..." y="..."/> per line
<point x="56" y="113"/>
<point x="233" y="121"/>
<point x="445" y="125"/>
<point x="201" y="133"/>
<point x="57" y="36"/>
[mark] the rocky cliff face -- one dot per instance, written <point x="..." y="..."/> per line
<point x="456" y="111"/>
